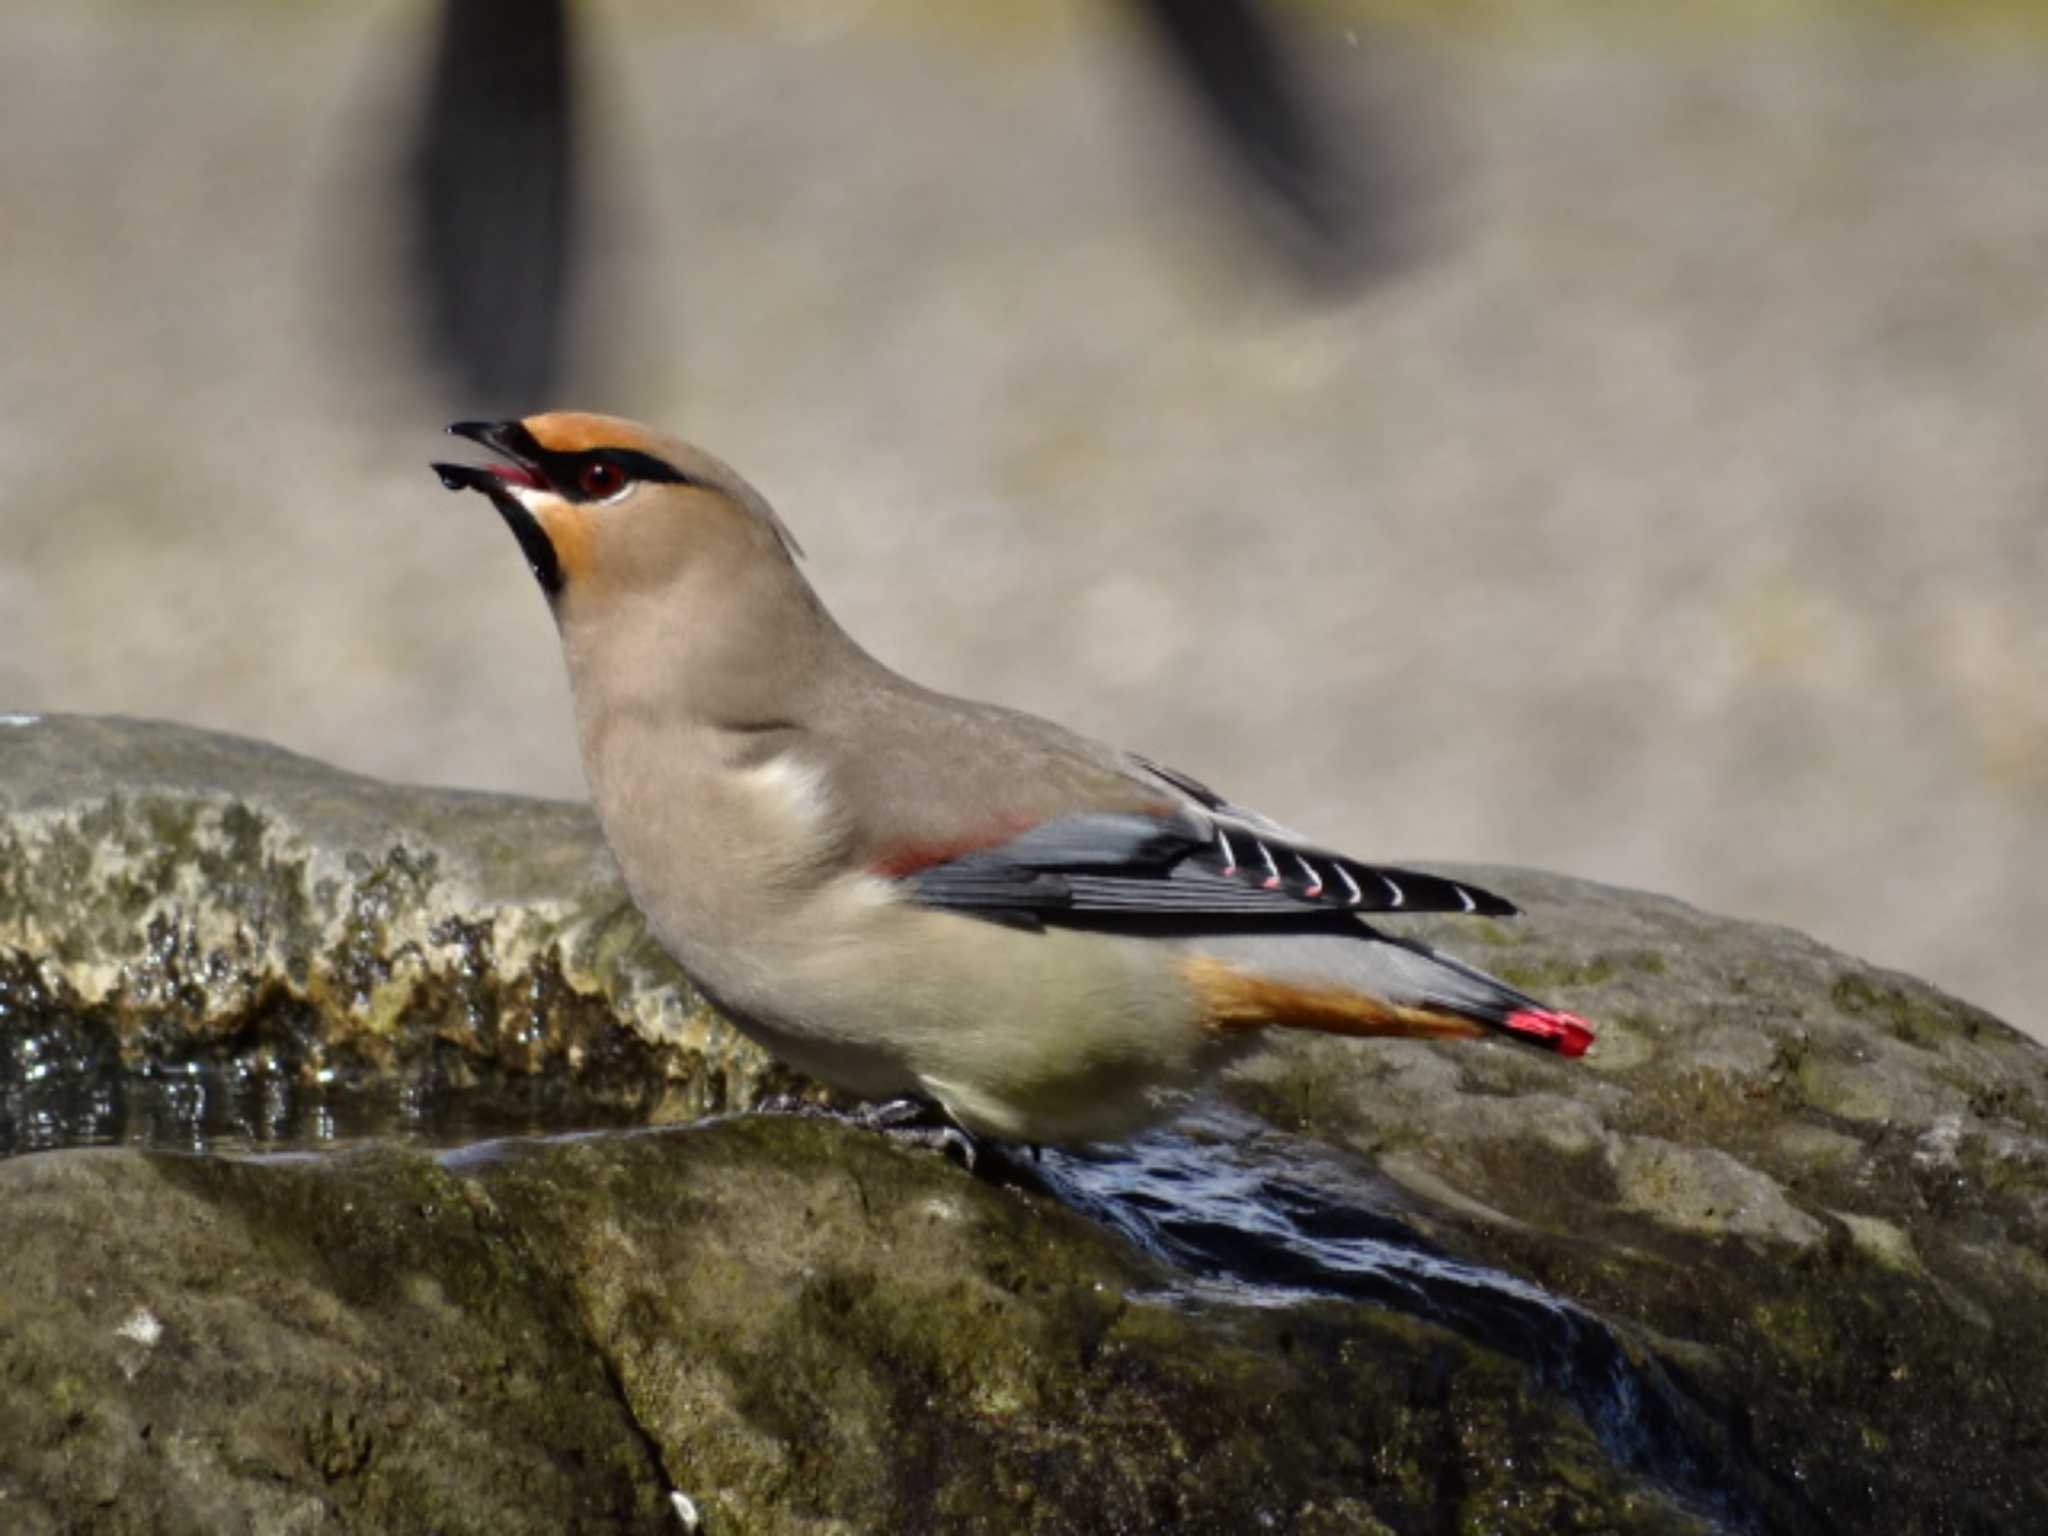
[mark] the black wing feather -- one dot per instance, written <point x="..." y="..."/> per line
<point x="1127" y="864"/>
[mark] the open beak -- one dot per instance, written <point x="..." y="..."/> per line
<point x="506" y="437"/>
<point x="502" y="482"/>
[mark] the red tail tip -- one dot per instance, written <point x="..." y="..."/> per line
<point x="1565" y="1033"/>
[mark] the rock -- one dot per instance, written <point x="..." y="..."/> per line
<point x="797" y="1325"/>
<point x="174" y="902"/>
<point x="1767" y="1260"/>
<point x="202" y="1345"/>
<point x="1819" y="1188"/>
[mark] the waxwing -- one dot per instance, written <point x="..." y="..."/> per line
<point x="906" y="894"/>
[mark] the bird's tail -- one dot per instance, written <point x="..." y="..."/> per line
<point x="1465" y="990"/>
<point x="1383" y="986"/>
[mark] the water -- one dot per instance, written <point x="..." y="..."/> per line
<point x="238" y="1106"/>
<point x="1252" y="1217"/>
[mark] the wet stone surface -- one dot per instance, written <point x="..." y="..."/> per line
<point x="206" y="937"/>
<point x="1767" y="1260"/>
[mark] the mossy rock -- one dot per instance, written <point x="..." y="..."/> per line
<point x="1819" y="1187"/>
<point x="796" y="1325"/>
<point x="174" y="902"/>
<point x="1797" y="1202"/>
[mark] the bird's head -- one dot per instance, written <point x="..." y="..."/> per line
<point x="600" y="504"/>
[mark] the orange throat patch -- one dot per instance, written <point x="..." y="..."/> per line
<point x="568" y="529"/>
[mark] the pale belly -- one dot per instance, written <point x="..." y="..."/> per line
<point x="1055" y="1036"/>
<point x="1059" y="1035"/>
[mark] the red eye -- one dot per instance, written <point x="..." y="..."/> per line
<point x="600" y="478"/>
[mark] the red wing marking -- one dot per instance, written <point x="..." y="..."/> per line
<point x="905" y="859"/>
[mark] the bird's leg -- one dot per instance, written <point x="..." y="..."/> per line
<point x="921" y="1122"/>
<point x="904" y="1111"/>
<point x="925" y="1123"/>
<point x="917" y="1122"/>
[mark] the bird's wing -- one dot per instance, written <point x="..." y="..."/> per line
<point x="1195" y="857"/>
<point x="1114" y="842"/>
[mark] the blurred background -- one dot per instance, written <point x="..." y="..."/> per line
<point x="1528" y="433"/>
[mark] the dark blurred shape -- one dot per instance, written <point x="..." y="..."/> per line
<point x="493" y="189"/>
<point x="493" y="174"/>
<point x="1234" y="58"/>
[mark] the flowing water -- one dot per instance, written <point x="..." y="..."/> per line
<point x="1250" y="1216"/>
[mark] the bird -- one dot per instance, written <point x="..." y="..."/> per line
<point x="912" y="896"/>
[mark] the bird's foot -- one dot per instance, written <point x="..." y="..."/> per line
<point x="912" y="1121"/>
<point x="921" y="1123"/>
<point x="925" y="1123"/>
